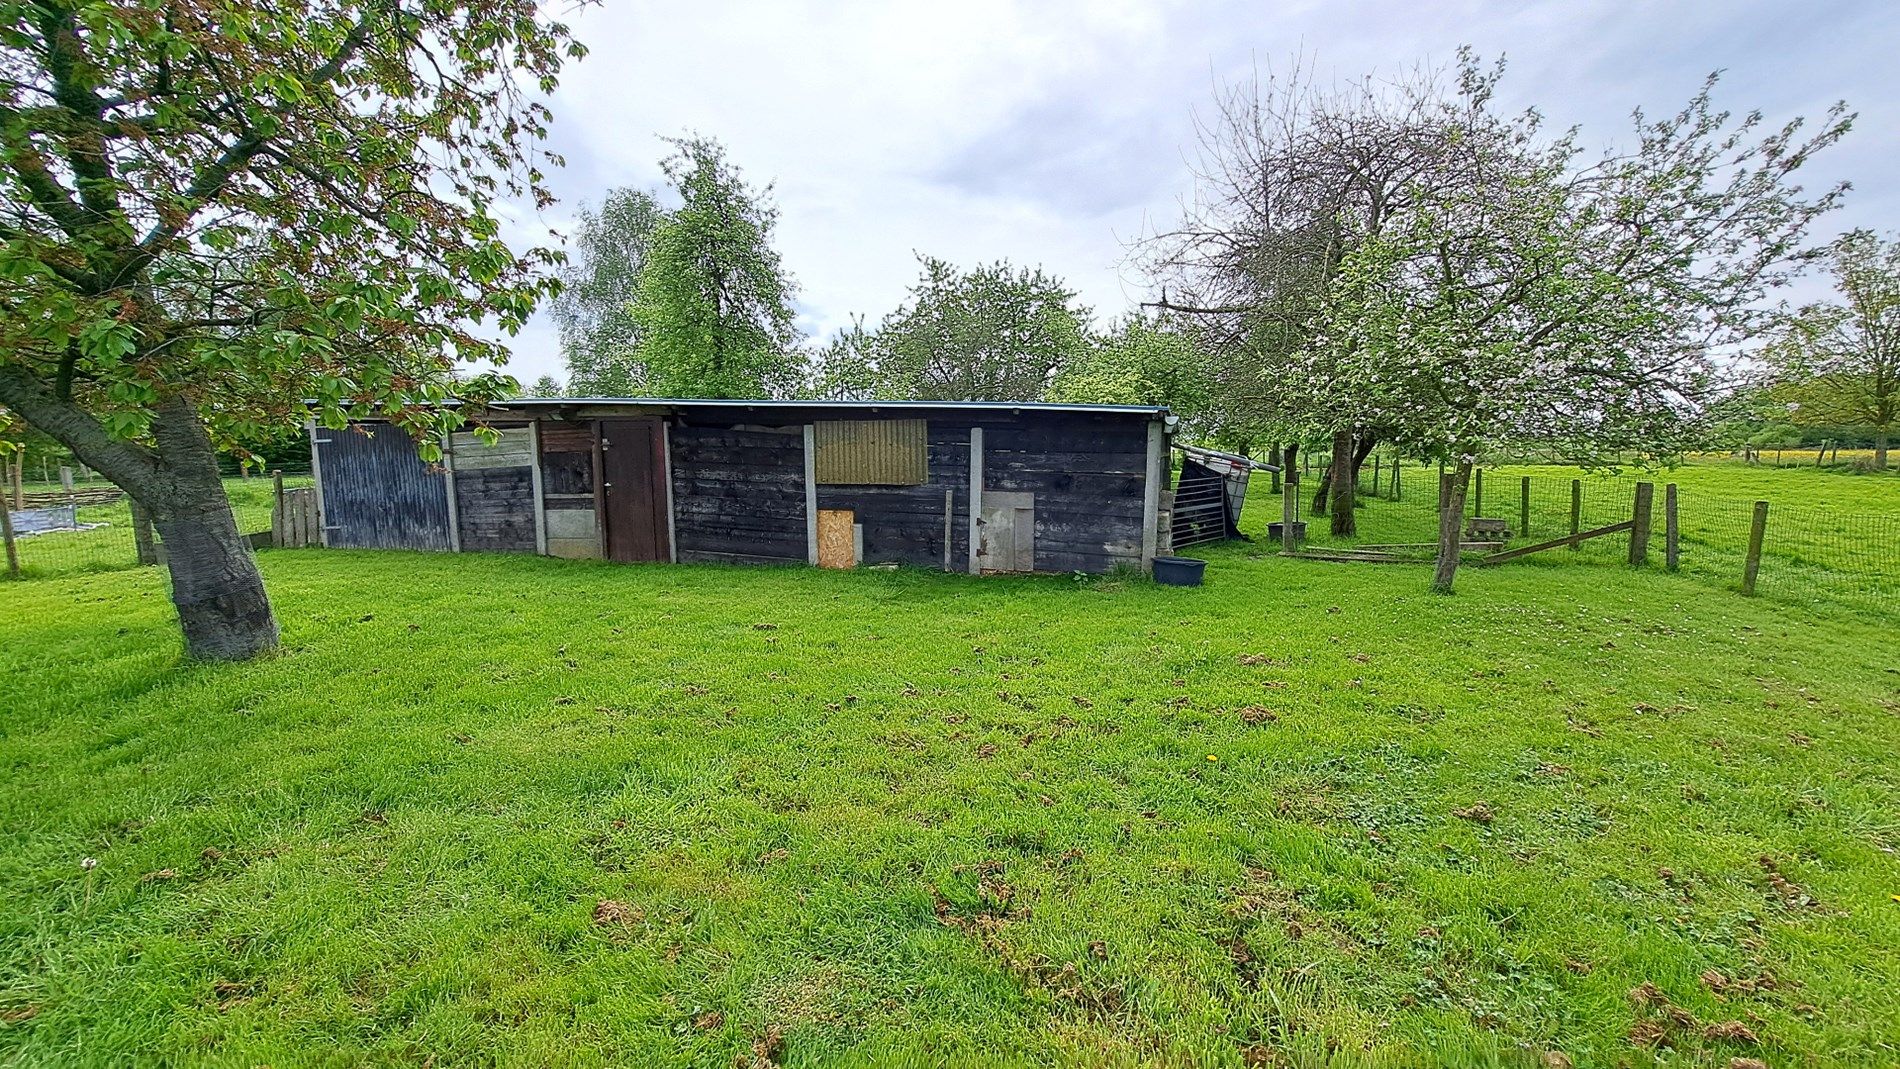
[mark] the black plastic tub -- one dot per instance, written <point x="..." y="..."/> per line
<point x="1299" y="530"/>
<point x="1179" y="571"/>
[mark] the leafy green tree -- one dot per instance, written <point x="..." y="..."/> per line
<point x="1543" y="303"/>
<point x="995" y="333"/>
<point x="600" y="336"/>
<point x="1144" y="361"/>
<point x="213" y="212"/>
<point x="548" y="386"/>
<point x="1839" y="363"/>
<point x="1682" y="236"/>
<point x="714" y="302"/>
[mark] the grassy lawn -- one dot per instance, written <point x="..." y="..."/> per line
<point x="1832" y="542"/>
<point x="533" y="812"/>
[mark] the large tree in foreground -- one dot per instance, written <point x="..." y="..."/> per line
<point x="714" y="303"/>
<point x="215" y="210"/>
<point x="1839" y="363"/>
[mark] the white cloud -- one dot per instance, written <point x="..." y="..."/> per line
<point x="1046" y="132"/>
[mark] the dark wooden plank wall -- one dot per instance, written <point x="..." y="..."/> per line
<point x="494" y="509"/>
<point x="739" y="494"/>
<point x="905" y="523"/>
<point x="1087" y="474"/>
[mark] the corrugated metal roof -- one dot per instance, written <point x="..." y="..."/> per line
<point x="860" y="406"/>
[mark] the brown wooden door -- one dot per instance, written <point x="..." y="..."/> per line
<point x="633" y="489"/>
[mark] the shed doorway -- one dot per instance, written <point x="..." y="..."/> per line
<point x="633" y="489"/>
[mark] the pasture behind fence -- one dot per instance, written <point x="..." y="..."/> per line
<point x="1807" y="554"/>
<point x="92" y="527"/>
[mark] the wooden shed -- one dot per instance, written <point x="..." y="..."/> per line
<point x="962" y="486"/>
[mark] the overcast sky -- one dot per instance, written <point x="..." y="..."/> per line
<point x="1051" y="132"/>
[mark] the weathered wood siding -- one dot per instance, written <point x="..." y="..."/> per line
<point x="1087" y="474"/>
<point x="377" y="491"/>
<point x="904" y="524"/>
<point x="739" y="493"/>
<point x="494" y="492"/>
<point x="567" y="488"/>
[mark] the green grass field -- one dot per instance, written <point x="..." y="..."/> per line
<point x="1832" y="541"/>
<point x="519" y="811"/>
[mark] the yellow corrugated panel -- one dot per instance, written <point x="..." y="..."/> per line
<point x="884" y="452"/>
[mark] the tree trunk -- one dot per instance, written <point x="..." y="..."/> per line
<point x="219" y="595"/>
<point x="1880" y="450"/>
<point x="1341" y="479"/>
<point x="1451" y="521"/>
<point x="1321" y="495"/>
<point x="1361" y="450"/>
<point x="1273" y="458"/>
<point x="222" y="607"/>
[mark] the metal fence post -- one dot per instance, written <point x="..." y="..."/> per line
<point x="1755" y="532"/>
<point x="1524" y="508"/>
<point x="1477" y="505"/>
<point x="1290" y="502"/>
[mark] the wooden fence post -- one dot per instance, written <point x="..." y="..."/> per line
<point x="1524" y="508"/>
<point x="1398" y="462"/>
<point x="1640" y="522"/>
<point x="1376" y="459"/>
<point x="1290" y="501"/>
<point x="6" y="534"/>
<point x="142" y="534"/>
<point x="1756" y="531"/>
<point x="1672" y="532"/>
<point x="1576" y="512"/>
<point x="278" y="516"/>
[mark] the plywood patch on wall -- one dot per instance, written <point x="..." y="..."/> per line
<point x="837" y="541"/>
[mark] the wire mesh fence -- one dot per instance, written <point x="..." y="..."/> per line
<point x="58" y="531"/>
<point x="1810" y="554"/>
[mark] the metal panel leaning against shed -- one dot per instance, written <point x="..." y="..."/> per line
<point x="1208" y="495"/>
<point x="570" y="516"/>
<point x="377" y="492"/>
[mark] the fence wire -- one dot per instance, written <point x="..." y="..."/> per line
<point x="91" y="530"/>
